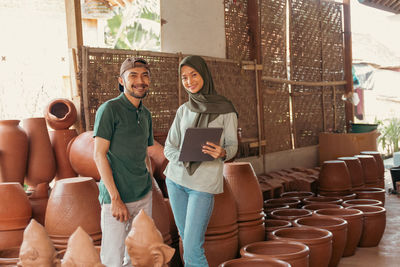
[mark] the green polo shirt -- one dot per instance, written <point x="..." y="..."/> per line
<point x="129" y="130"/>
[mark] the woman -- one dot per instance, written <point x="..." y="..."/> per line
<point x="192" y="185"/>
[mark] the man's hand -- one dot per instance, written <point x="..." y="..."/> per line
<point x="214" y="150"/>
<point x="119" y="210"/>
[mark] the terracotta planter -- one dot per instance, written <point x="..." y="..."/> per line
<point x="354" y="219"/>
<point x="15" y="214"/>
<point x="342" y="195"/>
<point x="38" y="200"/>
<point x="355" y="169"/>
<point x="373" y="226"/>
<point x="156" y="153"/>
<point x="290" y="214"/>
<point x="80" y="152"/>
<point x="245" y="188"/>
<point x="291" y="202"/>
<point x="246" y="262"/>
<point x="272" y="225"/>
<point x="334" y="176"/>
<point x="362" y="202"/>
<point x="73" y="202"/>
<point x="319" y="241"/>
<point x="41" y="161"/>
<point x="13" y="152"/>
<point x="370" y="169"/>
<point x="160" y="213"/>
<point x="297" y="194"/>
<point x="318" y="206"/>
<point x="59" y="141"/>
<point x="326" y="200"/>
<point x="294" y="253"/>
<point x="371" y="193"/>
<point x="338" y="228"/>
<point x="60" y="114"/>
<point x="379" y="162"/>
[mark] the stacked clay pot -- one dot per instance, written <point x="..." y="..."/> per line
<point x="73" y="202"/>
<point x="371" y="193"/>
<point x="15" y="214"/>
<point x="334" y="177"/>
<point x="354" y="219"/>
<point x="362" y="202"/>
<point x="370" y="170"/>
<point x="319" y="241"/>
<point x="246" y="262"/>
<point x="13" y="151"/>
<point x="294" y="253"/>
<point x="374" y="224"/>
<point x="80" y="151"/>
<point x="380" y="165"/>
<point x="38" y="199"/>
<point x="356" y="172"/>
<point x="338" y="228"/>
<point x="160" y="213"/>
<point x="249" y="201"/>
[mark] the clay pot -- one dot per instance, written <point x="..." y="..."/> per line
<point x="272" y="225"/>
<point x="59" y="141"/>
<point x="251" y="231"/>
<point x="379" y="162"/>
<point x="160" y="213"/>
<point x="41" y="161"/>
<point x="289" y="214"/>
<point x="15" y="214"/>
<point x="13" y="152"/>
<point x="371" y="193"/>
<point x="60" y="114"/>
<point x="291" y="202"/>
<point x="346" y="195"/>
<point x="355" y="169"/>
<point x="246" y="262"/>
<point x="319" y="241"/>
<point x="160" y="162"/>
<point x="38" y="200"/>
<point x="73" y="202"/>
<point x="370" y="169"/>
<point x="318" y="206"/>
<point x="373" y="225"/>
<point x="326" y="200"/>
<point x="362" y="202"/>
<point x="338" y="228"/>
<point x="294" y="253"/>
<point x="80" y="152"/>
<point x="275" y="207"/>
<point x="297" y="194"/>
<point x="245" y="188"/>
<point x="334" y="176"/>
<point x="9" y="257"/>
<point x="354" y="219"/>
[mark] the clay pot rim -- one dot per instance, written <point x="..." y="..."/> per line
<point x="356" y="213"/>
<point x="325" y="235"/>
<point x="59" y="101"/>
<point x="338" y="206"/>
<point x="284" y="223"/>
<point x="343" y="223"/>
<point x="301" y="211"/>
<point x="370" y="152"/>
<point x="340" y="195"/>
<point x="348" y="158"/>
<point x="369" y="190"/>
<point x="379" y="209"/>
<point x="333" y="161"/>
<point x="364" y="156"/>
<point x="284" y="194"/>
<point x="74" y="180"/>
<point x="366" y="200"/>
<point x="292" y="200"/>
<point x="294" y="244"/>
<point x="253" y="260"/>
<point x="10" y="122"/>
<point x="328" y="198"/>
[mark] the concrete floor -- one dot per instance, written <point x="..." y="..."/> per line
<point x="387" y="253"/>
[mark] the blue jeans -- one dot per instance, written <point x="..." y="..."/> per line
<point x="192" y="211"/>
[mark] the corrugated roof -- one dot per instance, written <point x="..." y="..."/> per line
<point x="386" y="5"/>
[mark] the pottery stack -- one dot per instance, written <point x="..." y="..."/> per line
<point x="249" y="201"/>
<point x="60" y="115"/>
<point x="371" y="170"/>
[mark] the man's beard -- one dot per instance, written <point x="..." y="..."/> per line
<point x="132" y="92"/>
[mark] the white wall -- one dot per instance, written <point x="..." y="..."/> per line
<point x="193" y="27"/>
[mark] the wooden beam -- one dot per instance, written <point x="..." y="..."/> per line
<point x="348" y="58"/>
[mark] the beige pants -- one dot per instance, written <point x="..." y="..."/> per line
<point x="113" y="251"/>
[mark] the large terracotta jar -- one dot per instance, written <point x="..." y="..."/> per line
<point x="354" y="219"/>
<point x="318" y="206"/>
<point x="373" y="225"/>
<point x="371" y="193"/>
<point x="59" y="141"/>
<point x="73" y="202"/>
<point x="338" y="228"/>
<point x="289" y="214"/>
<point x="292" y="202"/>
<point x="355" y="169"/>
<point x="362" y="202"/>
<point x="80" y="152"/>
<point x="334" y="176"/>
<point x="297" y="194"/>
<point x="370" y="169"/>
<point x="246" y="262"/>
<point x="60" y="114"/>
<point x="13" y="152"/>
<point x="319" y="241"/>
<point x="15" y="214"/>
<point x="41" y="161"/>
<point x="294" y="253"/>
<point x="38" y="200"/>
<point x="327" y="200"/>
<point x="160" y="213"/>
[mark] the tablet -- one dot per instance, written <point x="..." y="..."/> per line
<point x="194" y="140"/>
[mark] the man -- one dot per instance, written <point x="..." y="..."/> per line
<point x="123" y="131"/>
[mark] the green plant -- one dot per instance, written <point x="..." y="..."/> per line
<point x="390" y="135"/>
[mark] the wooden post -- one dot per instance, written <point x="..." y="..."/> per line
<point x="75" y="41"/>
<point x="348" y="58"/>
